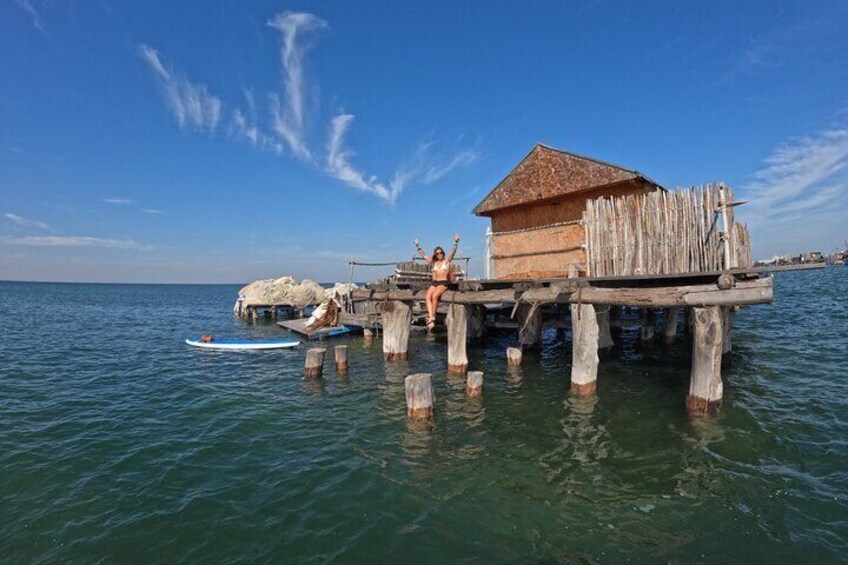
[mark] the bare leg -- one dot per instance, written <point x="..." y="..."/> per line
<point x="437" y="293"/>
<point x="431" y="304"/>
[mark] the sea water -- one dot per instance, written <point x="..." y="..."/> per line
<point x="119" y="443"/>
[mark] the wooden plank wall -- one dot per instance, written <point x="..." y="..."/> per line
<point x="544" y="252"/>
<point x="662" y="233"/>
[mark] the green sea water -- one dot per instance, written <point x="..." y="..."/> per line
<point x="118" y="443"/>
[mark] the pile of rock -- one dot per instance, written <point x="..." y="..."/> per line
<point x="284" y="291"/>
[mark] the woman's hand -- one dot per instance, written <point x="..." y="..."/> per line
<point x="456" y="238"/>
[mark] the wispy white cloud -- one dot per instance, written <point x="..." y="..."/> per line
<point x="287" y="130"/>
<point x="191" y="103"/>
<point x="25" y="222"/>
<point x="244" y="125"/>
<point x="153" y="211"/>
<point x="78" y="241"/>
<point x="288" y="118"/>
<point x="33" y="12"/>
<point x="338" y="163"/>
<point x="120" y="201"/>
<point x="424" y="167"/>
<point x="793" y="196"/>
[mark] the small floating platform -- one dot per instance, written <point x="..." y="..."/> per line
<point x="299" y="326"/>
<point x="243" y="344"/>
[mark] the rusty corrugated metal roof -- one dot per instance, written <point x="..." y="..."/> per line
<point x="548" y="173"/>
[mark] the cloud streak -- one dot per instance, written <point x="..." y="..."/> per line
<point x="78" y="241"/>
<point x="339" y="167"/>
<point x="25" y="222"/>
<point x="191" y="103"/>
<point x="800" y="181"/>
<point x="120" y="201"/>
<point x="28" y="6"/>
<point x="288" y="111"/>
<point x="288" y="118"/>
<point x="423" y="167"/>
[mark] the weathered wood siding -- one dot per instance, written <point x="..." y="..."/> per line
<point x="541" y="253"/>
<point x="529" y="242"/>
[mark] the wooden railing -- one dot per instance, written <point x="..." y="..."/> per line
<point x="683" y="231"/>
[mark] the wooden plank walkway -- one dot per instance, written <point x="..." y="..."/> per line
<point x="299" y="326"/>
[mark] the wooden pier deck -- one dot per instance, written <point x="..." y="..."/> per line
<point x="590" y="306"/>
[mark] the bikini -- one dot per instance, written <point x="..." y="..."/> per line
<point x="440" y="266"/>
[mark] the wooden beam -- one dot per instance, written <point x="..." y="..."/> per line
<point x="705" y="386"/>
<point x="474" y="384"/>
<point x="397" y="317"/>
<point x="670" y="325"/>
<point x="529" y="325"/>
<point x="605" y="341"/>
<point x="420" y="398"/>
<point x="457" y="330"/>
<point x="758" y="291"/>
<point x="584" y="350"/>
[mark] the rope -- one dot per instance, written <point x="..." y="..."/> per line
<point x="536" y="228"/>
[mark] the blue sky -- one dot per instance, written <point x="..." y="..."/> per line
<point x="227" y="141"/>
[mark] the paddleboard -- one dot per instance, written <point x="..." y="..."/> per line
<point x="243" y="344"/>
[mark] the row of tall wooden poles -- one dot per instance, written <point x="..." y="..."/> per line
<point x="590" y="334"/>
<point x="685" y="231"/>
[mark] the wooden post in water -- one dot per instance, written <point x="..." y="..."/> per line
<point x="615" y="316"/>
<point x="397" y="317"/>
<point x="605" y="341"/>
<point x="646" y="332"/>
<point x="727" y="338"/>
<point x="420" y="398"/>
<point x="457" y="324"/>
<point x="529" y="325"/>
<point x="314" y="366"/>
<point x="670" y="325"/>
<point x="513" y="356"/>
<point x="584" y="350"/>
<point x="476" y="322"/>
<point x="705" y="387"/>
<point x="341" y="358"/>
<point x="474" y="384"/>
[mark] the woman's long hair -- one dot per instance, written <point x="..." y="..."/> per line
<point x="435" y="251"/>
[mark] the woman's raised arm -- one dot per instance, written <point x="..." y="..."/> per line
<point x="455" y="245"/>
<point x="421" y="251"/>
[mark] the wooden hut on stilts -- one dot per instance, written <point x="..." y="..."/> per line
<point x="574" y="231"/>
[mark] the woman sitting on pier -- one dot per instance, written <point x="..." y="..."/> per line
<point x="441" y="273"/>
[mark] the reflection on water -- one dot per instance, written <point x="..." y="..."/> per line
<point x="119" y="443"/>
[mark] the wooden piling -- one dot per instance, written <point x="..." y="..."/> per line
<point x="646" y="332"/>
<point x="340" y="352"/>
<point x="615" y="316"/>
<point x="513" y="356"/>
<point x="314" y="366"/>
<point x="605" y="341"/>
<point x="474" y="384"/>
<point x="705" y="386"/>
<point x="529" y="325"/>
<point x="476" y="314"/>
<point x="670" y="325"/>
<point x="457" y="324"/>
<point x="727" y="338"/>
<point x="584" y="350"/>
<point x="397" y="317"/>
<point x="420" y="398"/>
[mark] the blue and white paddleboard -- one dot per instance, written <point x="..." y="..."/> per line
<point x="243" y="344"/>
